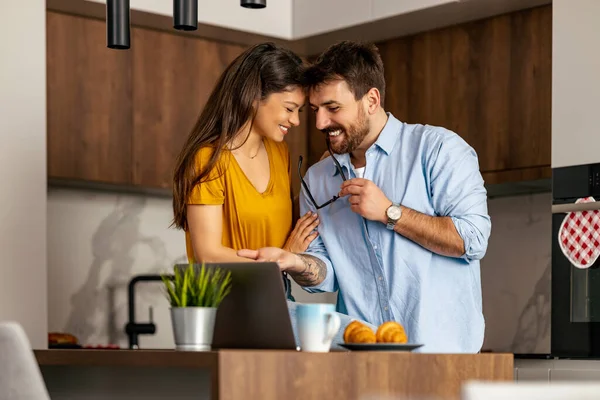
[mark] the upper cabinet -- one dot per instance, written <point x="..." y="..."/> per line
<point x="172" y="78"/>
<point x="121" y="117"/>
<point x="89" y="103"/>
<point x="489" y="81"/>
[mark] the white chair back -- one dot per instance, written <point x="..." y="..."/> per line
<point x="20" y="376"/>
<point x="531" y="391"/>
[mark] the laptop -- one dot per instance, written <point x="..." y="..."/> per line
<point x="255" y="314"/>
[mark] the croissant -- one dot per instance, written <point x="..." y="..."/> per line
<point x="350" y="328"/>
<point x="391" y="332"/>
<point x="357" y="332"/>
<point x="364" y="334"/>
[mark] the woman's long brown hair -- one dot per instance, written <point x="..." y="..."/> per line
<point x="255" y="74"/>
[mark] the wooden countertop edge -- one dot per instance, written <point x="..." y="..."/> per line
<point x="127" y="358"/>
<point x="183" y="359"/>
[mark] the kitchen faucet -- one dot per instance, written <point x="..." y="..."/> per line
<point x="132" y="328"/>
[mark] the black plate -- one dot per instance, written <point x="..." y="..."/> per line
<point x="380" y="346"/>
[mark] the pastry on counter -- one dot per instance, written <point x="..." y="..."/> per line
<point x="351" y="326"/>
<point x="62" y="340"/>
<point x="388" y="332"/>
<point x="357" y="332"/>
<point x="391" y="332"/>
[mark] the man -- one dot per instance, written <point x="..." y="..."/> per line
<point x="404" y="239"/>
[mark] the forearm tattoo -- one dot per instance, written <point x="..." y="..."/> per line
<point x="314" y="271"/>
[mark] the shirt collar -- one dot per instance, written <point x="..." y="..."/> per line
<point x="389" y="135"/>
<point x="386" y="142"/>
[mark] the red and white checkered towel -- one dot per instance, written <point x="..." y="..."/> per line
<point x="579" y="236"/>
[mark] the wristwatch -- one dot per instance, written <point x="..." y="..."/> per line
<point x="393" y="213"/>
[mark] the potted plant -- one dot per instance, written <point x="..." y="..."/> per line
<point x="195" y="292"/>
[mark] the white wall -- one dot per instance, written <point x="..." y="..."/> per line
<point x="575" y="82"/>
<point x="23" y="166"/>
<point x="375" y="20"/>
<point x="313" y="17"/>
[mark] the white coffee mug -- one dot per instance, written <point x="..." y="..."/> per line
<point x="317" y="326"/>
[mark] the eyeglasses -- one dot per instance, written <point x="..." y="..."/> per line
<point x="305" y="186"/>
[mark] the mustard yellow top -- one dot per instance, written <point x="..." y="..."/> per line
<point x="251" y="220"/>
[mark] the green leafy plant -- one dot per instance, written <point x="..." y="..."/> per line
<point x="197" y="286"/>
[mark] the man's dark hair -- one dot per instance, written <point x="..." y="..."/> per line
<point x="359" y="64"/>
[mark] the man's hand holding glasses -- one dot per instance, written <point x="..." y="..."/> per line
<point x="366" y="199"/>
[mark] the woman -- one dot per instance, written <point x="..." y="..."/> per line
<point x="232" y="182"/>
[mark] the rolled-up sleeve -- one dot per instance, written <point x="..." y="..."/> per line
<point x="458" y="192"/>
<point x="317" y="249"/>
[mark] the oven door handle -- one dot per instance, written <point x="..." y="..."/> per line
<point x="574" y="207"/>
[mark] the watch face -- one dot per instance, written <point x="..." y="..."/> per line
<point x="394" y="212"/>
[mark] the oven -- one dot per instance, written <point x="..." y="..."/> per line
<point x="575" y="327"/>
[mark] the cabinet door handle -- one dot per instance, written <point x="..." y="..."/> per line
<point x="572" y="207"/>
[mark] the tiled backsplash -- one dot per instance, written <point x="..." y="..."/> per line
<point x="515" y="275"/>
<point x="98" y="241"/>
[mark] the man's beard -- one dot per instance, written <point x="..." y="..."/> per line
<point x="353" y="136"/>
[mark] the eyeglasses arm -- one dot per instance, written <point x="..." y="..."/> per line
<point x="304" y="185"/>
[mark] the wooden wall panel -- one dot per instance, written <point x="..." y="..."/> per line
<point x="489" y="81"/>
<point x="173" y="76"/>
<point x="88" y="101"/>
<point x="121" y="117"/>
<point x="531" y="87"/>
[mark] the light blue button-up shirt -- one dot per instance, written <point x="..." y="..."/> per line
<point x="381" y="275"/>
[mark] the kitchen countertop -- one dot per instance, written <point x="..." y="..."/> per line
<point x="276" y="374"/>
<point x="126" y="358"/>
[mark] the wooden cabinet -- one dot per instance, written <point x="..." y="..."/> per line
<point x="121" y="117"/>
<point x="489" y="81"/>
<point x="173" y="76"/>
<point x="89" y="106"/>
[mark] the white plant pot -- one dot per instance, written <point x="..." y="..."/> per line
<point x="193" y="327"/>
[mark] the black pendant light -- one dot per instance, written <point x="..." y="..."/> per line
<point x="117" y="24"/>
<point x="253" y="3"/>
<point x="185" y="15"/>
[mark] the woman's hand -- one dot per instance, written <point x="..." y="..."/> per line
<point x="303" y="234"/>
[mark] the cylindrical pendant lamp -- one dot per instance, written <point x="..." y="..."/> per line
<point x="253" y="3"/>
<point x="117" y="24"/>
<point x="185" y="15"/>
